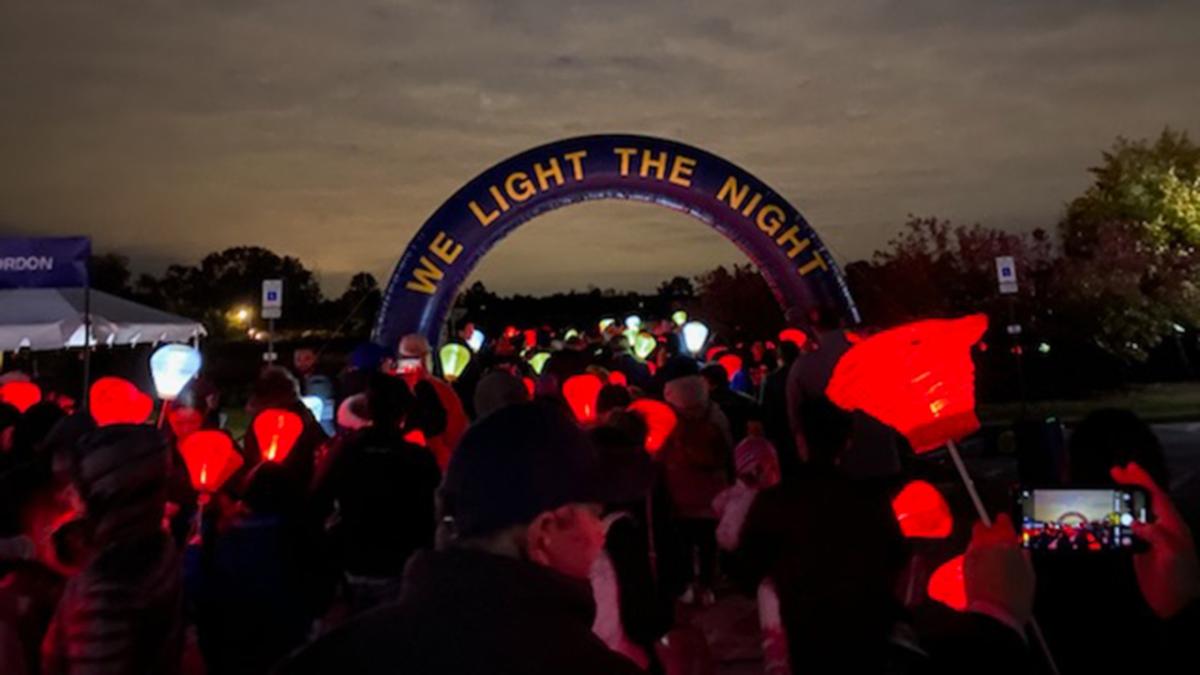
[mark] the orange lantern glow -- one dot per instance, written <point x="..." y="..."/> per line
<point x="732" y="363"/>
<point x="416" y="437"/>
<point x="114" y="400"/>
<point x="794" y="336"/>
<point x="922" y="511"/>
<point x="211" y="459"/>
<point x="946" y="584"/>
<point x="277" y="432"/>
<point x="918" y="379"/>
<point x="20" y="395"/>
<point x="660" y="419"/>
<point x="618" y="378"/>
<point x="581" y="392"/>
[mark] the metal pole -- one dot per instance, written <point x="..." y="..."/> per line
<point x="271" y="341"/>
<point x="87" y="339"/>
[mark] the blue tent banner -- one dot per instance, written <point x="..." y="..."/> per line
<point x="44" y="262"/>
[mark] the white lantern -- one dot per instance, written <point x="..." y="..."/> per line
<point x="695" y="334"/>
<point x="172" y="367"/>
<point x="475" y="342"/>
<point x="315" y="405"/>
<point x="633" y="322"/>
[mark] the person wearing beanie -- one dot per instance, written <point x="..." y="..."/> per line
<point x="507" y="591"/>
<point x="123" y="613"/>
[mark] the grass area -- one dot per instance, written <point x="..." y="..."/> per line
<point x="1162" y="402"/>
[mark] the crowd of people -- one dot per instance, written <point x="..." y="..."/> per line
<point x="484" y="525"/>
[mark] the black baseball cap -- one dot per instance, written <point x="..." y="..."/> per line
<point x="518" y="462"/>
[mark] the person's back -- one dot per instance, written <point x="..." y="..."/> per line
<point x="384" y="488"/>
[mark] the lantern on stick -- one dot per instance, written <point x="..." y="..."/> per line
<point x="644" y="344"/>
<point x="20" y="395"/>
<point x="680" y="317"/>
<point x="115" y="400"/>
<point x="794" y="336"/>
<point x="172" y="367"/>
<point x="538" y="361"/>
<point x="660" y="420"/>
<point x="732" y="363"/>
<point x="946" y="584"/>
<point x="454" y="359"/>
<point x="475" y="340"/>
<point x="531" y="338"/>
<point x="633" y="322"/>
<point x="922" y="511"/>
<point x="695" y="334"/>
<point x="277" y="431"/>
<point x="315" y="405"/>
<point x="618" y="378"/>
<point x="211" y="459"/>
<point x="530" y="386"/>
<point x="581" y="392"/>
<point x="605" y="323"/>
<point x="416" y="437"/>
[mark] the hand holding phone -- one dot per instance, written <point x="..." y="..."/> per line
<point x="1168" y="572"/>
<point x="1081" y="520"/>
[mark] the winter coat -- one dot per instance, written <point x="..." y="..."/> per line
<point x="470" y="612"/>
<point x="697" y="460"/>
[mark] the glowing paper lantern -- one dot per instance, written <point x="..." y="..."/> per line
<point x="416" y="437"/>
<point x="946" y="584"/>
<point x="633" y="321"/>
<point x="531" y="336"/>
<point x="530" y="386"/>
<point x="581" y="392"/>
<point x="652" y="367"/>
<point x="475" y="341"/>
<point x="315" y="405"/>
<point x="538" y="361"/>
<point x="454" y="358"/>
<point x="20" y="395"/>
<point x="277" y="432"/>
<point x="210" y="458"/>
<point x="114" y="400"/>
<point x="680" y="317"/>
<point x="618" y="378"/>
<point x="732" y="363"/>
<point x="605" y="323"/>
<point x="918" y="379"/>
<point x="794" y="336"/>
<point x="713" y="352"/>
<point x="922" y="511"/>
<point x="644" y="345"/>
<point x="660" y="419"/>
<point x="571" y="332"/>
<point x="695" y="334"/>
<point x="631" y="334"/>
<point x="172" y="367"/>
<point x="510" y="332"/>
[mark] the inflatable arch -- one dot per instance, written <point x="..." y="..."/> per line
<point x="760" y="222"/>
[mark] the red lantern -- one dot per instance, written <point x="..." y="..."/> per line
<point x="114" y="400"/>
<point x="210" y="458"/>
<point x="652" y="367"/>
<point x="712" y="353"/>
<point x="511" y="332"/>
<point x="918" y="379"/>
<point x="416" y="437"/>
<point x="660" y="419"/>
<point x="732" y="363"/>
<point x="530" y="386"/>
<point x="581" y="392"/>
<point x="531" y="337"/>
<point x="922" y="511"/>
<point x="794" y="336"/>
<point x="618" y="378"/>
<point x="946" y="584"/>
<point x="20" y="395"/>
<point x="277" y="432"/>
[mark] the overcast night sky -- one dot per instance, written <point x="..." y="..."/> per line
<point x="330" y="130"/>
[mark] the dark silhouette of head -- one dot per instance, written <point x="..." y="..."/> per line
<point x="1114" y="437"/>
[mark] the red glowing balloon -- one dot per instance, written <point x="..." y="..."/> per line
<point x="20" y="395"/>
<point x="277" y="432"/>
<point x="732" y="363"/>
<point x="918" y="379"/>
<point x="581" y="392"/>
<point x="511" y="332"/>
<point x="618" y="378"/>
<point x="794" y="336"/>
<point x="114" y="400"/>
<point x="946" y="584"/>
<point x="210" y="458"/>
<point x="531" y="337"/>
<point x="922" y="511"/>
<point x="713" y="352"/>
<point x="416" y="437"/>
<point x="660" y="419"/>
<point x="652" y="367"/>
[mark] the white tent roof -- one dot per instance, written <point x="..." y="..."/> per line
<point x="52" y="318"/>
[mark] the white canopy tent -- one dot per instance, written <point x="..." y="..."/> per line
<point x="42" y="319"/>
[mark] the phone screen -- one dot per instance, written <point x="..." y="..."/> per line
<point x="1080" y="520"/>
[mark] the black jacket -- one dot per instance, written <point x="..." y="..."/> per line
<point x="469" y="612"/>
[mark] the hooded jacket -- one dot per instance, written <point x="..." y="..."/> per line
<point x="470" y="612"/>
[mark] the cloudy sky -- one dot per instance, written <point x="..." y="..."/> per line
<point x="330" y="130"/>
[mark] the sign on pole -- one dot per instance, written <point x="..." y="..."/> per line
<point x="1006" y="274"/>
<point x="272" y="298"/>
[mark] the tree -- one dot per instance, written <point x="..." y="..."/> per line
<point x="676" y="289"/>
<point x="109" y="272"/>
<point x="358" y="305"/>
<point x="737" y="303"/>
<point x="1131" y="246"/>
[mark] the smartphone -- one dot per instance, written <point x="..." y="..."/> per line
<point x="1081" y="520"/>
